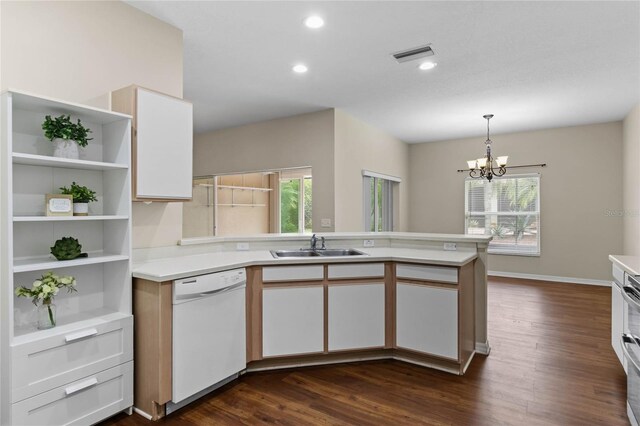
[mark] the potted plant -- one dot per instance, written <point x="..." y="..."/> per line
<point x="67" y="248"/>
<point x="42" y="292"/>
<point x="82" y="196"/>
<point x="65" y="135"/>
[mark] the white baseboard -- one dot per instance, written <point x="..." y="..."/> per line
<point x="553" y="278"/>
<point x="142" y="413"/>
<point x="483" y="348"/>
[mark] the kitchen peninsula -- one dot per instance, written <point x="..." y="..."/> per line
<point x="405" y="298"/>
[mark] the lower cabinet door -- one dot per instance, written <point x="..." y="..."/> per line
<point x="356" y="316"/>
<point x="292" y="320"/>
<point x="82" y="402"/>
<point x="427" y="319"/>
<point x="617" y="320"/>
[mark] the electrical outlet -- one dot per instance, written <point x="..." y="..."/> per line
<point x="450" y="246"/>
<point x="242" y="246"/>
<point x="325" y="223"/>
<point x="368" y="243"/>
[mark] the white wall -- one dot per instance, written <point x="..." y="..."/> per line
<point x="79" y="52"/>
<point x="631" y="181"/>
<point x="583" y="180"/>
<point x="360" y="146"/>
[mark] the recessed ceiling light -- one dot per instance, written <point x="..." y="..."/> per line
<point x="300" y="68"/>
<point x="314" y="22"/>
<point x="427" y="66"/>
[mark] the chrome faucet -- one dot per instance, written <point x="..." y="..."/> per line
<point x="314" y="241"/>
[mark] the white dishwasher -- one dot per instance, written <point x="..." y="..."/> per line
<point x="209" y="333"/>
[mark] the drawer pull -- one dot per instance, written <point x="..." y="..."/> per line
<point x="80" y="386"/>
<point x="80" y="335"/>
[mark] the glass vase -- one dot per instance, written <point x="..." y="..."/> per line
<point x="46" y="315"/>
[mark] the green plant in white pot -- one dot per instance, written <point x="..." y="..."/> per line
<point x="66" y="136"/>
<point x="42" y="292"/>
<point x="82" y="196"/>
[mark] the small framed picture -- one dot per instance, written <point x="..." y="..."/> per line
<point x="59" y="205"/>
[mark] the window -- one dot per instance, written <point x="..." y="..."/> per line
<point x="295" y="201"/>
<point x="379" y="202"/>
<point x="507" y="208"/>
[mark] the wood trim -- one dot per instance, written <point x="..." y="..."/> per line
<point x="280" y="284"/>
<point x="351" y="281"/>
<point x="325" y="319"/>
<point x="449" y="286"/>
<point x="390" y="305"/>
<point x="341" y="283"/>
<point x="153" y="315"/>
<point x="466" y="313"/>
<point x="427" y="355"/>
<point x="254" y="313"/>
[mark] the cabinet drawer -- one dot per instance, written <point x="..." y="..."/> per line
<point x="85" y="401"/>
<point x="293" y="273"/>
<point x="618" y="275"/>
<point x="44" y="364"/>
<point x="428" y="273"/>
<point x="356" y="270"/>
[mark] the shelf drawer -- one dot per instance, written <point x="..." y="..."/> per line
<point x="428" y="273"/>
<point x="81" y="402"/>
<point x="356" y="270"/>
<point x="293" y="273"/>
<point x="41" y="365"/>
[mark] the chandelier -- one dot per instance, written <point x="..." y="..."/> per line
<point x="483" y="167"/>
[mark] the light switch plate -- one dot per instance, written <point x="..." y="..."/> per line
<point x="242" y="246"/>
<point x="368" y="243"/>
<point x="450" y="246"/>
<point x="325" y="223"/>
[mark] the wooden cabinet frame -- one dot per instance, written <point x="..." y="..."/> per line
<point x="153" y="313"/>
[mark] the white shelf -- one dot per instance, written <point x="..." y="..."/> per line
<point x="66" y="324"/>
<point x="49" y="262"/>
<point x="242" y="205"/>
<point x="48" y="161"/>
<point x="67" y="218"/>
<point x="243" y="188"/>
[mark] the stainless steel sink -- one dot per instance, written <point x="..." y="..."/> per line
<point x="293" y="253"/>
<point x="279" y="254"/>
<point x="341" y="252"/>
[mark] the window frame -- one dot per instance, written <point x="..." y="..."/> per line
<point x="388" y="183"/>
<point x="502" y="250"/>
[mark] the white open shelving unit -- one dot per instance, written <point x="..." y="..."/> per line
<point x="99" y="362"/>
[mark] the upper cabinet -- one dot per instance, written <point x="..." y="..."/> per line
<point x="162" y="143"/>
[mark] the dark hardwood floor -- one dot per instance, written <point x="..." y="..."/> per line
<point x="551" y="363"/>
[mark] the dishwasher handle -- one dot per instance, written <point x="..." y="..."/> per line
<point x="187" y="297"/>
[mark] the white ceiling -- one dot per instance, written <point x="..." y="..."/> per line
<point x="533" y="64"/>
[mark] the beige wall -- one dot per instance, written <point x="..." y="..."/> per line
<point x="576" y="233"/>
<point x="302" y="140"/>
<point x="631" y="181"/>
<point x="80" y="51"/>
<point x="360" y="146"/>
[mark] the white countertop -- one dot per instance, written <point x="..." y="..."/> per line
<point x="631" y="264"/>
<point x="169" y="269"/>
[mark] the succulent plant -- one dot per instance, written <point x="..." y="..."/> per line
<point x="67" y="248"/>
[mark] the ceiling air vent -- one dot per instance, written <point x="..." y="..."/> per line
<point x="413" y="54"/>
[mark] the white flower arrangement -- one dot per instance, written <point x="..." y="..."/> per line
<point x="46" y="288"/>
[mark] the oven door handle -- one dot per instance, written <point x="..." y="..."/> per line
<point x="629" y="338"/>
<point x="631" y="296"/>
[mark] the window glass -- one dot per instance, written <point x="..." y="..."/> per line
<point x="507" y="208"/>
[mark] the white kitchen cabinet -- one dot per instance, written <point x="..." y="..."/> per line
<point x="292" y="320"/>
<point x="93" y="332"/>
<point x="356" y="316"/>
<point x="162" y="143"/>
<point x="619" y="311"/>
<point x="427" y="319"/>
